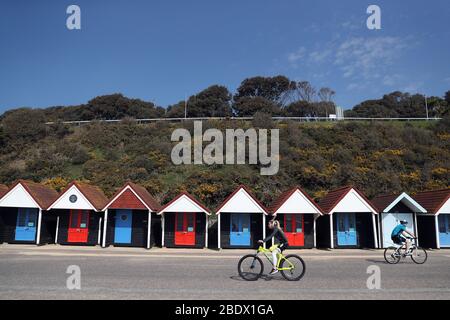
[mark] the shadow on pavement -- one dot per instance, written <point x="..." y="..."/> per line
<point x="263" y="277"/>
<point x="377" y="261"/>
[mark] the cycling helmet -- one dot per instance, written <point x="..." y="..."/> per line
<point x="403" y="222"/>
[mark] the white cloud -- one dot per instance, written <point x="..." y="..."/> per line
<point x="413" y="87"/>
<point x="367" y="58"/>
<point x="319" y="56"/>
<point x="392" y="80"/>
<point x="358" y="60"/>
<point x="293" y="57"/>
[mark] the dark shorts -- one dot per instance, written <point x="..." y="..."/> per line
<point x="283" y="246"/>
<point x="398" y="240"/>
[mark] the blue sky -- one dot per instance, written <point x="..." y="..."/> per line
<point x="162" y="51"/>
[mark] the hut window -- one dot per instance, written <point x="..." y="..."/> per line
<point x="298" y="223"/>
<point x="22" y="218"/>
<point x="288" y="224"/>
<point x="234" y="223"/>
<point x="180" y="222"/>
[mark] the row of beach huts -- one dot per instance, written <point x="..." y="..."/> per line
<point x="81" y="214"/>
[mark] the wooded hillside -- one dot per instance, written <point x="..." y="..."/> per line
<point x="377" y="157"/>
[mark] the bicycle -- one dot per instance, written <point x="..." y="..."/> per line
<point x="392" y="255"/>
<point x="251" y="267"/>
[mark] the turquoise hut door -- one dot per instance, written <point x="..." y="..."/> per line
<point x="444" y="230"/>
<point x="26" y="224"/>
<point x="346" y="229"/>
<point x="122" y="231"/>
<point x="240" y="229"/>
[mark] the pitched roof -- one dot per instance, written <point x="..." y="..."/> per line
<point x="142" y="193"/>
<point x="249" y="192"/>
<point x="92" y="193"/>
<point x="191" y="197"/>
<point x="432" y="200"/>
<point x="333" y="197"/>
<point x="285" y="196"/>
<point x="43" y="195"/>
<point x="3" y="190"/>
<point x="383" y="201"/>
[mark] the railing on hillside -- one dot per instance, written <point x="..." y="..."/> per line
<point x="301" y="119"/>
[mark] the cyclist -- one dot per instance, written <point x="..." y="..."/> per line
<point x="276" y="248"/>
<point x="400" y="235"/>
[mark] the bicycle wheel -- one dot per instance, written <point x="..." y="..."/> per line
<point x="391" y="255"/>
<point x="297" y="266"/>
<point x="250" y="267"/>
<point x="419" y="255"/>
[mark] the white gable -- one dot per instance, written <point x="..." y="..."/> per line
<point x="241" y="202"/>
<point x="72" y="199"/>
<point x="183" y="204"/>
<point x="408" y="201"/>
<point x="353" y="202"/>
<point x="18" y="197"/>
<point x="445" y="208"/>
<point x="297" y="203"/>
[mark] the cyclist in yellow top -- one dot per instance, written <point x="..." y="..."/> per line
<point x="276" y="248"/>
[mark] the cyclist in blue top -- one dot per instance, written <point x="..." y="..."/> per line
<point x="399" y="235"/>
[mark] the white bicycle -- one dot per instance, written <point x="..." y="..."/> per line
<point x="392" y="255"/>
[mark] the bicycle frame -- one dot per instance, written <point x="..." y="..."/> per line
<point x="412" y="247"/>
<point x="268" y="254"/>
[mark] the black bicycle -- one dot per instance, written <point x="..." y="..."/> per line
<point x="393" y="255"/>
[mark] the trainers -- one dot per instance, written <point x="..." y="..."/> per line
<point x="273" y="271"/>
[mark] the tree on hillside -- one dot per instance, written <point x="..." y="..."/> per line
<point x="326" y="94"/>
<point x="447" y="97"/>
<point x="23" y="125"/>
<point x="248" y="106"/>
<point x="400" y="104"/>
<point x="305" y="91"/>
<point x="214" y="101"/>
<point x="270" y="88"/>
<point x="176" y="110"/>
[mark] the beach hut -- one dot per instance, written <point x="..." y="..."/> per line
<point x="22" y="213"/>
<point x="434" y="227"/>
<point x="392" y="209"/>
<point x="349" y="220"/>
<point x="78" y="210"/>
<point x="184" y="223"/>
<point x="241" y="220"/>
<point x="297" y="214"/>
<point x="130" y="218"/>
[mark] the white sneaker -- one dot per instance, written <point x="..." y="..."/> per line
<point x="273" y="271"/>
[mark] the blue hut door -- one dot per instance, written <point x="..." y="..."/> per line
<point x="444" y="230"/>
<point x="240" y="229"/>
<point x="26" y="224"/>
<point x="122" y="231"/>
<point x="346" y="229"/>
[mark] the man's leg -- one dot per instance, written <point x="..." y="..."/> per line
<point x="407" y="244"/>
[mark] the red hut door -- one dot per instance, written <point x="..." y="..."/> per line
<point x="79" y="226"/>
<point x="185" y="229"/>
<point x="293" y="228"/>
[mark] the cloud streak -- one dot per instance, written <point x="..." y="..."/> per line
<point x="356" y="59"/>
